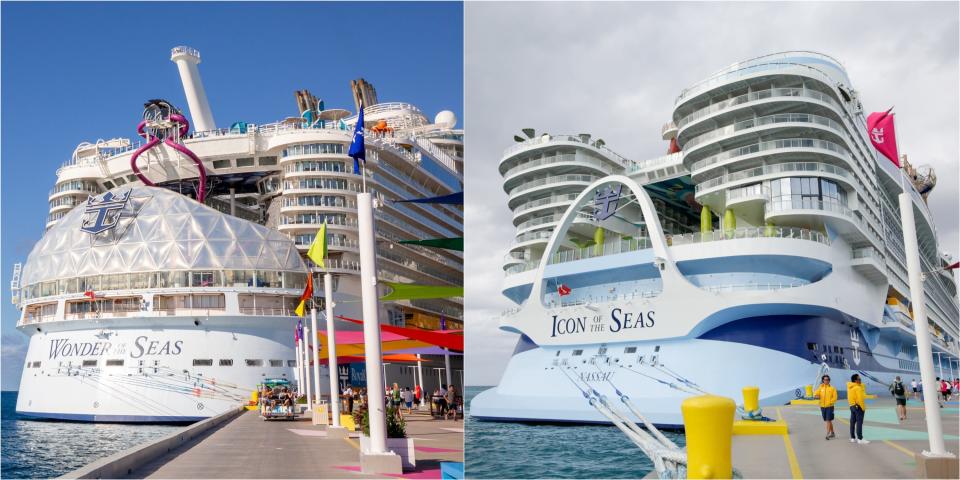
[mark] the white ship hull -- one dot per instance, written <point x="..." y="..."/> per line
<point x="158" y="380"/>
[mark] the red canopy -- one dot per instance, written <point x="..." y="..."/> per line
<point x="452" y="342"/>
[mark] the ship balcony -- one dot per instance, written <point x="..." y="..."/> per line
<point x="760" y="102"/>
<point x="582" y="141"/>
<point x="79" y="192"/>
<point x="668" y="131"/>
<point x="851" y="227"/>
<point x="334" y="245"/>
<point x="348" y="207"/>
<point x="741" y="74"/>
<point x="551" y="202"/>
<point x="557" y="164"/>
<point x="797" y="123"/>
<point x="870" y="263"/>
<point x="349" y="225"/>
<point x="776" y="170"/>
<point x="787" y="147"/>
<point x="550" y="183"/>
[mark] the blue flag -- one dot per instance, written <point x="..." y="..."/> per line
<point x="357" y="149"/>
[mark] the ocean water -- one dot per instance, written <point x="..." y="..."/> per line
<point x="44" y="449"/>
<point x="518" y="450"/>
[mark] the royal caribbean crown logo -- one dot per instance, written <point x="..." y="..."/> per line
<point x="103" y="213"/>
<point x="106" y="217"/>
<point x="605" y="202"/>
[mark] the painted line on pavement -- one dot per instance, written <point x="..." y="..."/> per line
<point x="791" y="454"/>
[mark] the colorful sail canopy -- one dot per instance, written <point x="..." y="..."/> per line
<point x="449" y="340"/>
<point x="410" y="291"/>
<point x="455" y="243"/>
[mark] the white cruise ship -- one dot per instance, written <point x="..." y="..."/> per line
<point x="763" y="249"/>
<point x="143" y="304"/>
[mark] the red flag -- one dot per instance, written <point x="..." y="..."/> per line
<point x="955" y="266"/>
<point x="883" y="136"/>
<point x="91" y="294"/>
<point x="563" y="290"/>
<point x="307" y="292"/>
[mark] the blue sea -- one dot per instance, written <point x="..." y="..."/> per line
<point x="518" y="450"/>
<point x="44" y="449"/>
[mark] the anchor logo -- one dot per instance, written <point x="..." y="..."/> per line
<point x="877" y="135"/>
<point x="855" y="343"/>
<point x="102" y="214"/>
<point x="606" y="201"/>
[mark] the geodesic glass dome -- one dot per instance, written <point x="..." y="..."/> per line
<point x="149" y="229"/>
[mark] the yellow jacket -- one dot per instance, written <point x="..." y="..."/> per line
<point x="856" y="395"/>
<point x="827" y="395"/>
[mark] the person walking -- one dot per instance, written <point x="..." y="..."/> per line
<point x="451" y="398"/>
<point x="408" y="399"/>
<point x="395" y="400"/>
<point x="418" y="395"/>
<point x="899" y="393"/>
<point x="915" y="387"/>
<point x="828" y="397"/>
<point x="855" y="398"/>
<point x="944" y="389"/>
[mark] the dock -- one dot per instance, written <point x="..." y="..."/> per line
<point x="248" y="447"/>
<point x="804" y="452"/>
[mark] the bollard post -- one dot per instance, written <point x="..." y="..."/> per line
<point x="751" y="399"/>
<point x="808" y="390"/>
<point x="708" y="422"/>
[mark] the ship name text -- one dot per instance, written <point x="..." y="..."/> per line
<point x="617" y="321"/>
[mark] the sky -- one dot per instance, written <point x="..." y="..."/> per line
<point x="75" y="72"/>
<point x="614" y="70"/>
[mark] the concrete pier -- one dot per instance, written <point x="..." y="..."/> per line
<point x="248" y="447"/>
<point x="805" y="453"/>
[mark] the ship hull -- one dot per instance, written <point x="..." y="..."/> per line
<point x="546" y="384"/>
<point x="152" y="370"/>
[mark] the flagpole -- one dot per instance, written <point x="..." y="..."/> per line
<point x="332" y="350"/>
<point x="297" y="374"/>
<point x="918" y="301"/>
<point x="306" y="366"/>
<point x="315" y="353"/>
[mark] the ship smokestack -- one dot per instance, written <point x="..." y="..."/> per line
<point x="187" y="59"/>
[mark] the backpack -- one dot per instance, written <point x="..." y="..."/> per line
<point x="898" y="389"/>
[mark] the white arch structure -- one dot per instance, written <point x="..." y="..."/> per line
<point x="532" y="317"/>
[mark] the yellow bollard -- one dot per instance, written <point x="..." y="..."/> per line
<point x="809" y="391"/>
<point x="751" y="399"/>
<point x="708" y="422"/>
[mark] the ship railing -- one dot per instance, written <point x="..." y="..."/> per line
<point x="268" y="311"/>
<point x="557" y="301"/>
<point x="772" y="169"/>
<point x="549" y="159"/>
<point x="735" y="71"/>
<point x="757" y="95"/>
<point x="553" y="179"/>
<point x="546" y="138"/>
<point x="188" y="312"/>
<point x="761" y="121"/>
<point x="771" y="145"/>
<point x="670" y="158"/>
<point x="740" y="287"/>
<point x="545" y="201"/>
<point x="748" y="232"/>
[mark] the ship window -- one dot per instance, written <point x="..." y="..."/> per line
<point x="276" y="363"/>
<point x="226" y="362"/>
<point x="656" y="348"/>
<point x="132" y="178"/>
<point x="202" y="279"/>
<point x="218" y="164"/>
<point x="812" y="346"/>
<point x="836" y="349"/>
<point x="291" y="363"/>
<point x="264" y="161"/>
<point x="89" y="363"/>
<point x="244" y="162"/>
<point x="119" y="181"/>
<point x="630" y="350"/>
<point x="577" y="353"/>
<point x="202" y="362"/>
<point x="115" y="363"/>
<point x="602" y="351"/>
<point x="254" y="363"/>
<point x="558" y="353"/>
<point x="108" y="185"/>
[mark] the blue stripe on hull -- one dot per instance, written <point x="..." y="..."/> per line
<point x="793" y="333"/>
<point x="76" y="417"/>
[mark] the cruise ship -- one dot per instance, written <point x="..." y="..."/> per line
<point x="164" y="287"/>
<point x="763" y="249"/>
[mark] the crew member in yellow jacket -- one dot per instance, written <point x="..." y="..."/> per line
<point x="855" y="397"/>
<point x="828" y="397"/>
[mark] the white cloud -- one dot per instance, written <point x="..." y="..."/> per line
<point x="615" y="69"/>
